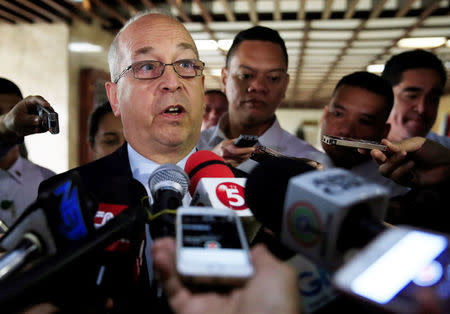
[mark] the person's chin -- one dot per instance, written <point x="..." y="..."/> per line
<point x="416" y="129"/>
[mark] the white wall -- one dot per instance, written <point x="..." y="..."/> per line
<point x="35" y="57"/>
<point x="290" y="119"/>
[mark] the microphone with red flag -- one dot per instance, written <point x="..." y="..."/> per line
<point x="213" y="184"/>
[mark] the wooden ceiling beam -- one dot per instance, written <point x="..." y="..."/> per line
<point x="228" y="12"/>
<point x="327" y="10"/>
<point x="434" y="5"/>
<point x="19" y="10"/>
<point x="405" y="6"/>
<point x="252" y="12"/>
<point x="8" y="17"/>
<point x="177" y="6"/>
<point x="277" y="10"/>
<point x="301" y="10"/>
<point x="377" y="9"/>
<point x="204" y="12"/>
<point x="301" y="56"/>
<point x="148" y="4"/>
<point x="351" y="9"/>
<point x="131" y="10"/>
<point x="90" y="13"/>
<point x="65" y="11"/>
<point x="51" y="16"/>
<point x="110" y="11"/>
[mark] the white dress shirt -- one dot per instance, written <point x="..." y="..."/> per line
<point x="274" y="137"/>
<point x="142" y="168"/>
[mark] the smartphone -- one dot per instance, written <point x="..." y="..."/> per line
<point x="211" y="247"/>
<point x="49" y="120"/>
<point x="246" y="140"/>
<point x="351" y="142"/>
<point x="391" y="271"/>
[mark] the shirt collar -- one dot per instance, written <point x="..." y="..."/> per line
<point x="140" y="165"/>
<point x="142" y="168"/>
<point x="222" y="125"/>
<point x="16" y="170"/>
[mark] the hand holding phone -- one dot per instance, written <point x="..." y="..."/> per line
<point x="393" y="270"/>
<point x="351" y="142"/>
<point x="246" y="140"/>
<point x="49" y="120"/>
<point x="211" y="247"/>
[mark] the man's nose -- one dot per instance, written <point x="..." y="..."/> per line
<point x="170" y="80"/>
<point x="346" y="129"/>
<point x="258" y="85"/>
<point x="420" y="104"/>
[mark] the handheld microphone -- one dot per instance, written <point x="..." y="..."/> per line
<point x="84" y="265"/>
<point x="213" y="184"/>
<point x="319" y="214"/>
<point x="168" y="184"/>
<point x="61" y="215"/>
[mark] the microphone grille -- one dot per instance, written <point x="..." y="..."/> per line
<point x="168" y="176"/>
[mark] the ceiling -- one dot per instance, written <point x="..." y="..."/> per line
<point x="326" y="39"/>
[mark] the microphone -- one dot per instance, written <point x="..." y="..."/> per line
<point x="61" y="215"/>
<point x="205" y="164"/>
<point x="319" y="214"/>
<point x="213" y="184"/>
<point x="168" y="184"/>
<point x="84" y="265"/>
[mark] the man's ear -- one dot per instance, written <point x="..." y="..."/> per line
<point x="111" y="91"/>
<point x="287" y="84"/>
<point x="324" y="113"/>
<point x="224" y="79"/>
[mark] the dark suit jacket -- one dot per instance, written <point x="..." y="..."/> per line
<point x="109" y="180"/>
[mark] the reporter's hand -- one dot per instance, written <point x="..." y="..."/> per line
<point x="272" y="289"/>
<point x="22" y="119"/>
<point x="232" y="154"/>
<point x="414" y="162"/>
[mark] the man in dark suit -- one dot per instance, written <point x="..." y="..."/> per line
<point x="156" y="89"/>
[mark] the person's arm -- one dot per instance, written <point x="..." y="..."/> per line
<point x="22" y="120"/>
<point x="232" y="154"/>
<point x="416" y="161"/>
<point x="272" y="289"/>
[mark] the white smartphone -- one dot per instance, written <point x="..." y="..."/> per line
<point x="211" y="247"/>
<point x="396" y="267"/>
<point x="351" y="142"/>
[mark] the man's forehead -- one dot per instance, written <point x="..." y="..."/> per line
<point x="246" y="51"/>
<point x="144" y="35"/>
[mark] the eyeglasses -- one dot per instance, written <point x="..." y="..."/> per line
<point x="151" y="69"/>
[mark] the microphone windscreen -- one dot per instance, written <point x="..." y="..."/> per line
<point x="266" y="186"/>
<point x="205" y="164"/>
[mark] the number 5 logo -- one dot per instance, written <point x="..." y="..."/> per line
<point x="231" y="195"/>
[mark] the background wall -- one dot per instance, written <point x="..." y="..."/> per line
<point x="35" y="57"/>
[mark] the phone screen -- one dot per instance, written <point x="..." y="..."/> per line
<point x="418" y="259"/>
<point x="210" y="231"/>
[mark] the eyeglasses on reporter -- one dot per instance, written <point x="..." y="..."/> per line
<point x="152" y="69"/>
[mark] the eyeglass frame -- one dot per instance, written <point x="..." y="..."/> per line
<point x="130" y="67"/>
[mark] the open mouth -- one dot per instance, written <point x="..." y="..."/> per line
<point x="174" y="110"/>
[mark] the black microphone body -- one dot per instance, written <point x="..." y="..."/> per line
<point x="83" y="268"/>
<point x="168" y="184"/>
<point x="319" y="214"/>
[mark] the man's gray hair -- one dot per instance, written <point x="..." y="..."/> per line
<point x="113" y="55"/>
